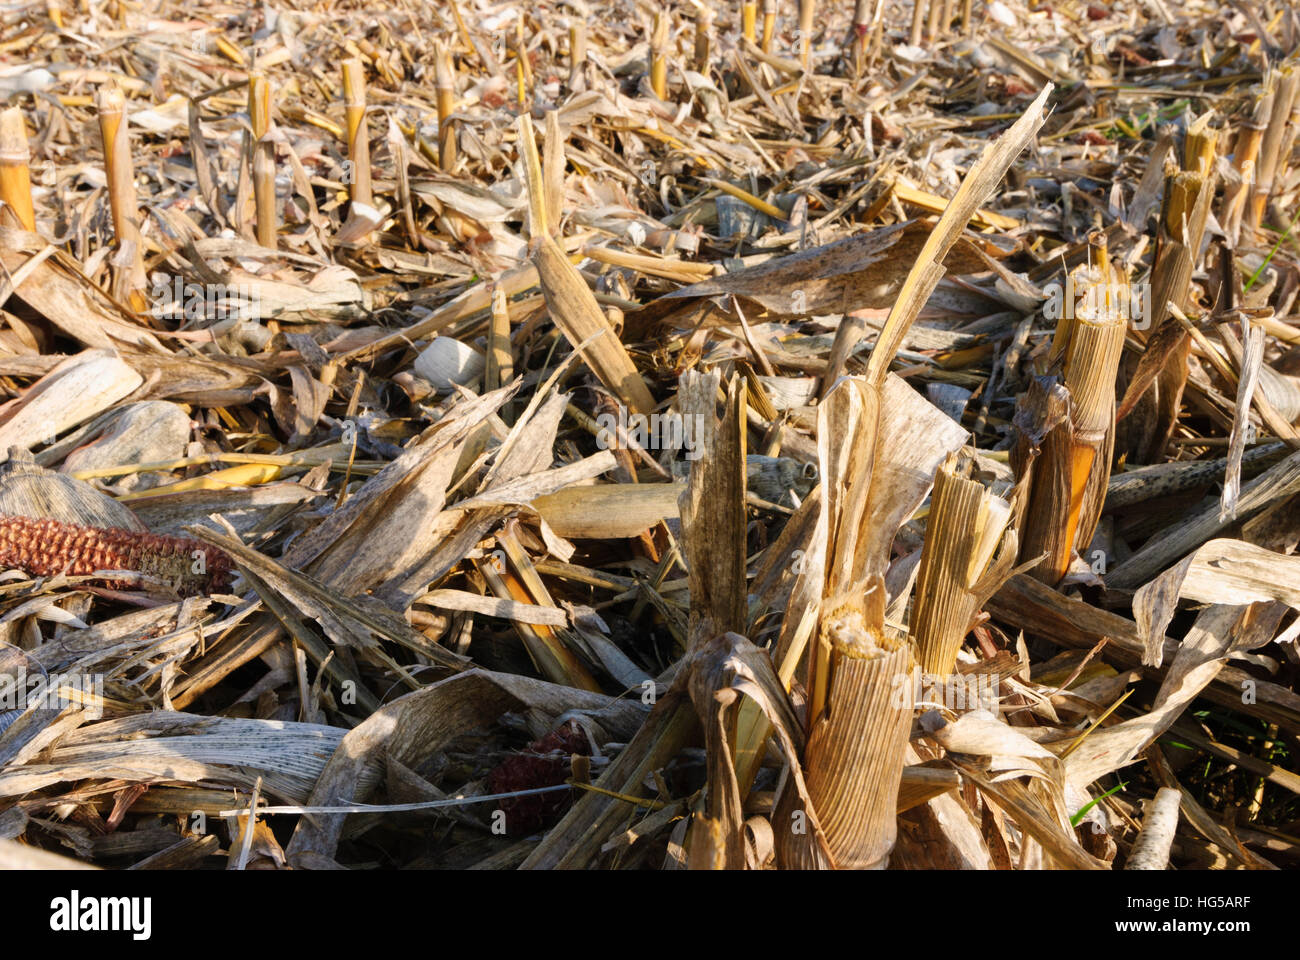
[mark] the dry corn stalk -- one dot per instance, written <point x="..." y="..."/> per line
<point x="854" y="758"/>
<point x="520" y="49"/>
<point x="865" y="12"/>
<point x="572" y="306"/>
<point x="932" y="27"/>
<point x="259" y="113"/>
<point x="769" y="24"/>
<point x="959" y="569"/>
<point x="906" y="193"/>
<point x="539" y="205"/>
<point x="521" y="82"/>
<point x="1285" y="152"/>
<point x="1164" y="363"/>
<point x="713" y="519"/>
<point x="576" y="312"/>
<point x="1201" y="146"/>
<point x="1187" y="205"/>
<point x="756" y="202"/>
<point x="15" y="179"/>
<point x="445" y="82"/>
<point x="703" y="26"/>
<point x="807" y="16"/>
<point x="578" y="54"/>
<point x="858" y="724"/>
<point x="659" y="55"/>
<point x="1285" y="83"/>
<point x="553" y="659"/>
<point x="553" y="163"/>
<point x="925" y="274"/>
<point x="859" y="697"/>
<point x="1067" y="481"/>
<point x="467" y="42"/>
<point x="1249" y="135"/>
<point x="683" y="271"/>
<point x="882" y="447"/>
<point x="1159" y="824"/>
<point x="129" y="278"/>
<point x="918" y="22"/>
<point x="354" y="102"/>
<point x="860" y="700"/>
<point x="500" y="368"/>
<point x="749" y="19"/>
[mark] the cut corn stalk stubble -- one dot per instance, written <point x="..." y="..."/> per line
<point x="15" y="178"/>
<point x="1067" y="480"/>
<point x="129" y="280"/>
<point x="263" y="151"/>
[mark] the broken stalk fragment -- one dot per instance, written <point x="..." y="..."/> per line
<point x="466" y="41"/>
<point x="129" y="279"/>
<point x="259" y="113"/>
<point x="500" y="367"/>
<point x="15" y="178"/>
<point x="545" y="647"/>
<point x="445" y="82"/>
<point x="1201" y="145"/>
<point x="230" y="51"/>
<point x="46" y="548"/>
<point x="960" y="564"/>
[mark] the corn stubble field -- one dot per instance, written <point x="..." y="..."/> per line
<point x="749" y="435"/>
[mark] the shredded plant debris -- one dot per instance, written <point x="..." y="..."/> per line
<point x="605" y="434"/>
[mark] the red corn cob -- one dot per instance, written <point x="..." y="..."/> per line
<point x="545" y="764"/>
<point x="43" y="547"/>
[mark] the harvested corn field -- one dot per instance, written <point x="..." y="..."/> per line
<point x="614" y="435"/>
